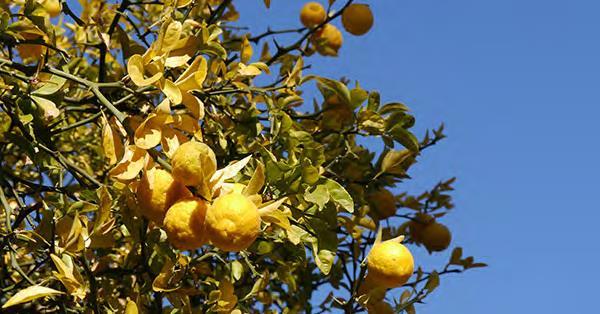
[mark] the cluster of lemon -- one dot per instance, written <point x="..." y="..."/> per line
<point x="357" y="19"/>
<point x="231" y="222"/>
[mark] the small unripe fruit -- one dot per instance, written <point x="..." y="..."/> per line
<point x="436" y="237"/>
<point x="312" y="14"/>
<point x="357" y="19"/>
<point x="382" y="204"/>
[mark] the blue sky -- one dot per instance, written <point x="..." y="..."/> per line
<point x="516" y="83"/>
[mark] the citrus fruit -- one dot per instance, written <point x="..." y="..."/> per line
<point x="416" y="226"/>
<point x="184" y="223"/>
<point x="232" y="222"/>
<point x="382" y="204"/>
<point x="312" y="14"/>
<point x="193" y="163"/>
<point x="357" y="19"/>
<point x="390" y="264"/>
<point x="328" y="40"/>
<point x="436" y="237"/>
<point x="157" y="191"/>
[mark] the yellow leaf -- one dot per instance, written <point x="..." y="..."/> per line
<point x="49" y="109"/>
<point x="131" y="308"/>
<point x="171" y="140"/>
<point x="248" y="70"/>
<point x="171" y="34"/>
<point x="193" y="104"/>
<point x="257" y="181"/>
<point x="135" y="68"/>
<point x="104" y="206"/>
<point x="149" y="133"/>
<point x="246" y="51"/>
<point x="132" y="163"/>
<point x="30" y="293"/>
<point x="228" y="172"/>
<point x="172" y="92"/>
<point x="177" y="61"/>
<point x="111" y="143"/>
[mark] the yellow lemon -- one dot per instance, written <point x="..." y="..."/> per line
<point x="357" y="19"/>
<point x="390" y="264"/>
<point x="193" y="163"/>
<point x="312" y="14"/>
<point x="184" y="223"/>
<point x="328" y="40"/>
<point x="232" y="222"/>
<point x="382" y="204"/>
<point x="157" y="191"/>
<point x="53" y="7"/>
<point x="436" y="237"/>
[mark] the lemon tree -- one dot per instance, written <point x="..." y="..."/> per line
<point x="162" y="157"/>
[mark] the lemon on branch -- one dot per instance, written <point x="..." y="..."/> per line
<point x="436" y="237"/>
<point x="327" y="40"/>
<point x="312" y="14"/>
<point x="390" y="264"/>
<point x="184" y="223"/>
<point x="157" y="191"/>
<point x="382" y="204"/>
<point x="193" y="163"/>
<point x="357" y="19"/>
<point x="232" y="222"/>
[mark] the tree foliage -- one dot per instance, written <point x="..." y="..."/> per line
<point x="96" y="99"/>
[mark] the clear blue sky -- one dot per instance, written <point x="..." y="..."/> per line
<point x="516" y="83"/>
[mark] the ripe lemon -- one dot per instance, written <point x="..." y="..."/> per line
<point x="193" y="163"/>
<point x="157" y="191"/>
<point x="382" y="204"/>
<point x="312" y="14"/>
<point x="436" y="237"/>
<point x="357" y="19"/>
<point x="53" y="7"/>
<point x="30" y="52"/>
<point x="390" y="264"/>
<point x="232" y="222"/>
<point x="328" y="40"/>
<point x="380" y="308"/>
<point x="184" y="223"/>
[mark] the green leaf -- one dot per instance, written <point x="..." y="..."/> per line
<point x="237" y="270"/>
<point x="51" y="87"/>
<point x="336" y="87"/>
<point x="357" y="97"/>
<point x="339" y="195"/>
<point x="319" y="196"/>
<point x="405" y="138"/>
<point x="433" y="281"/>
